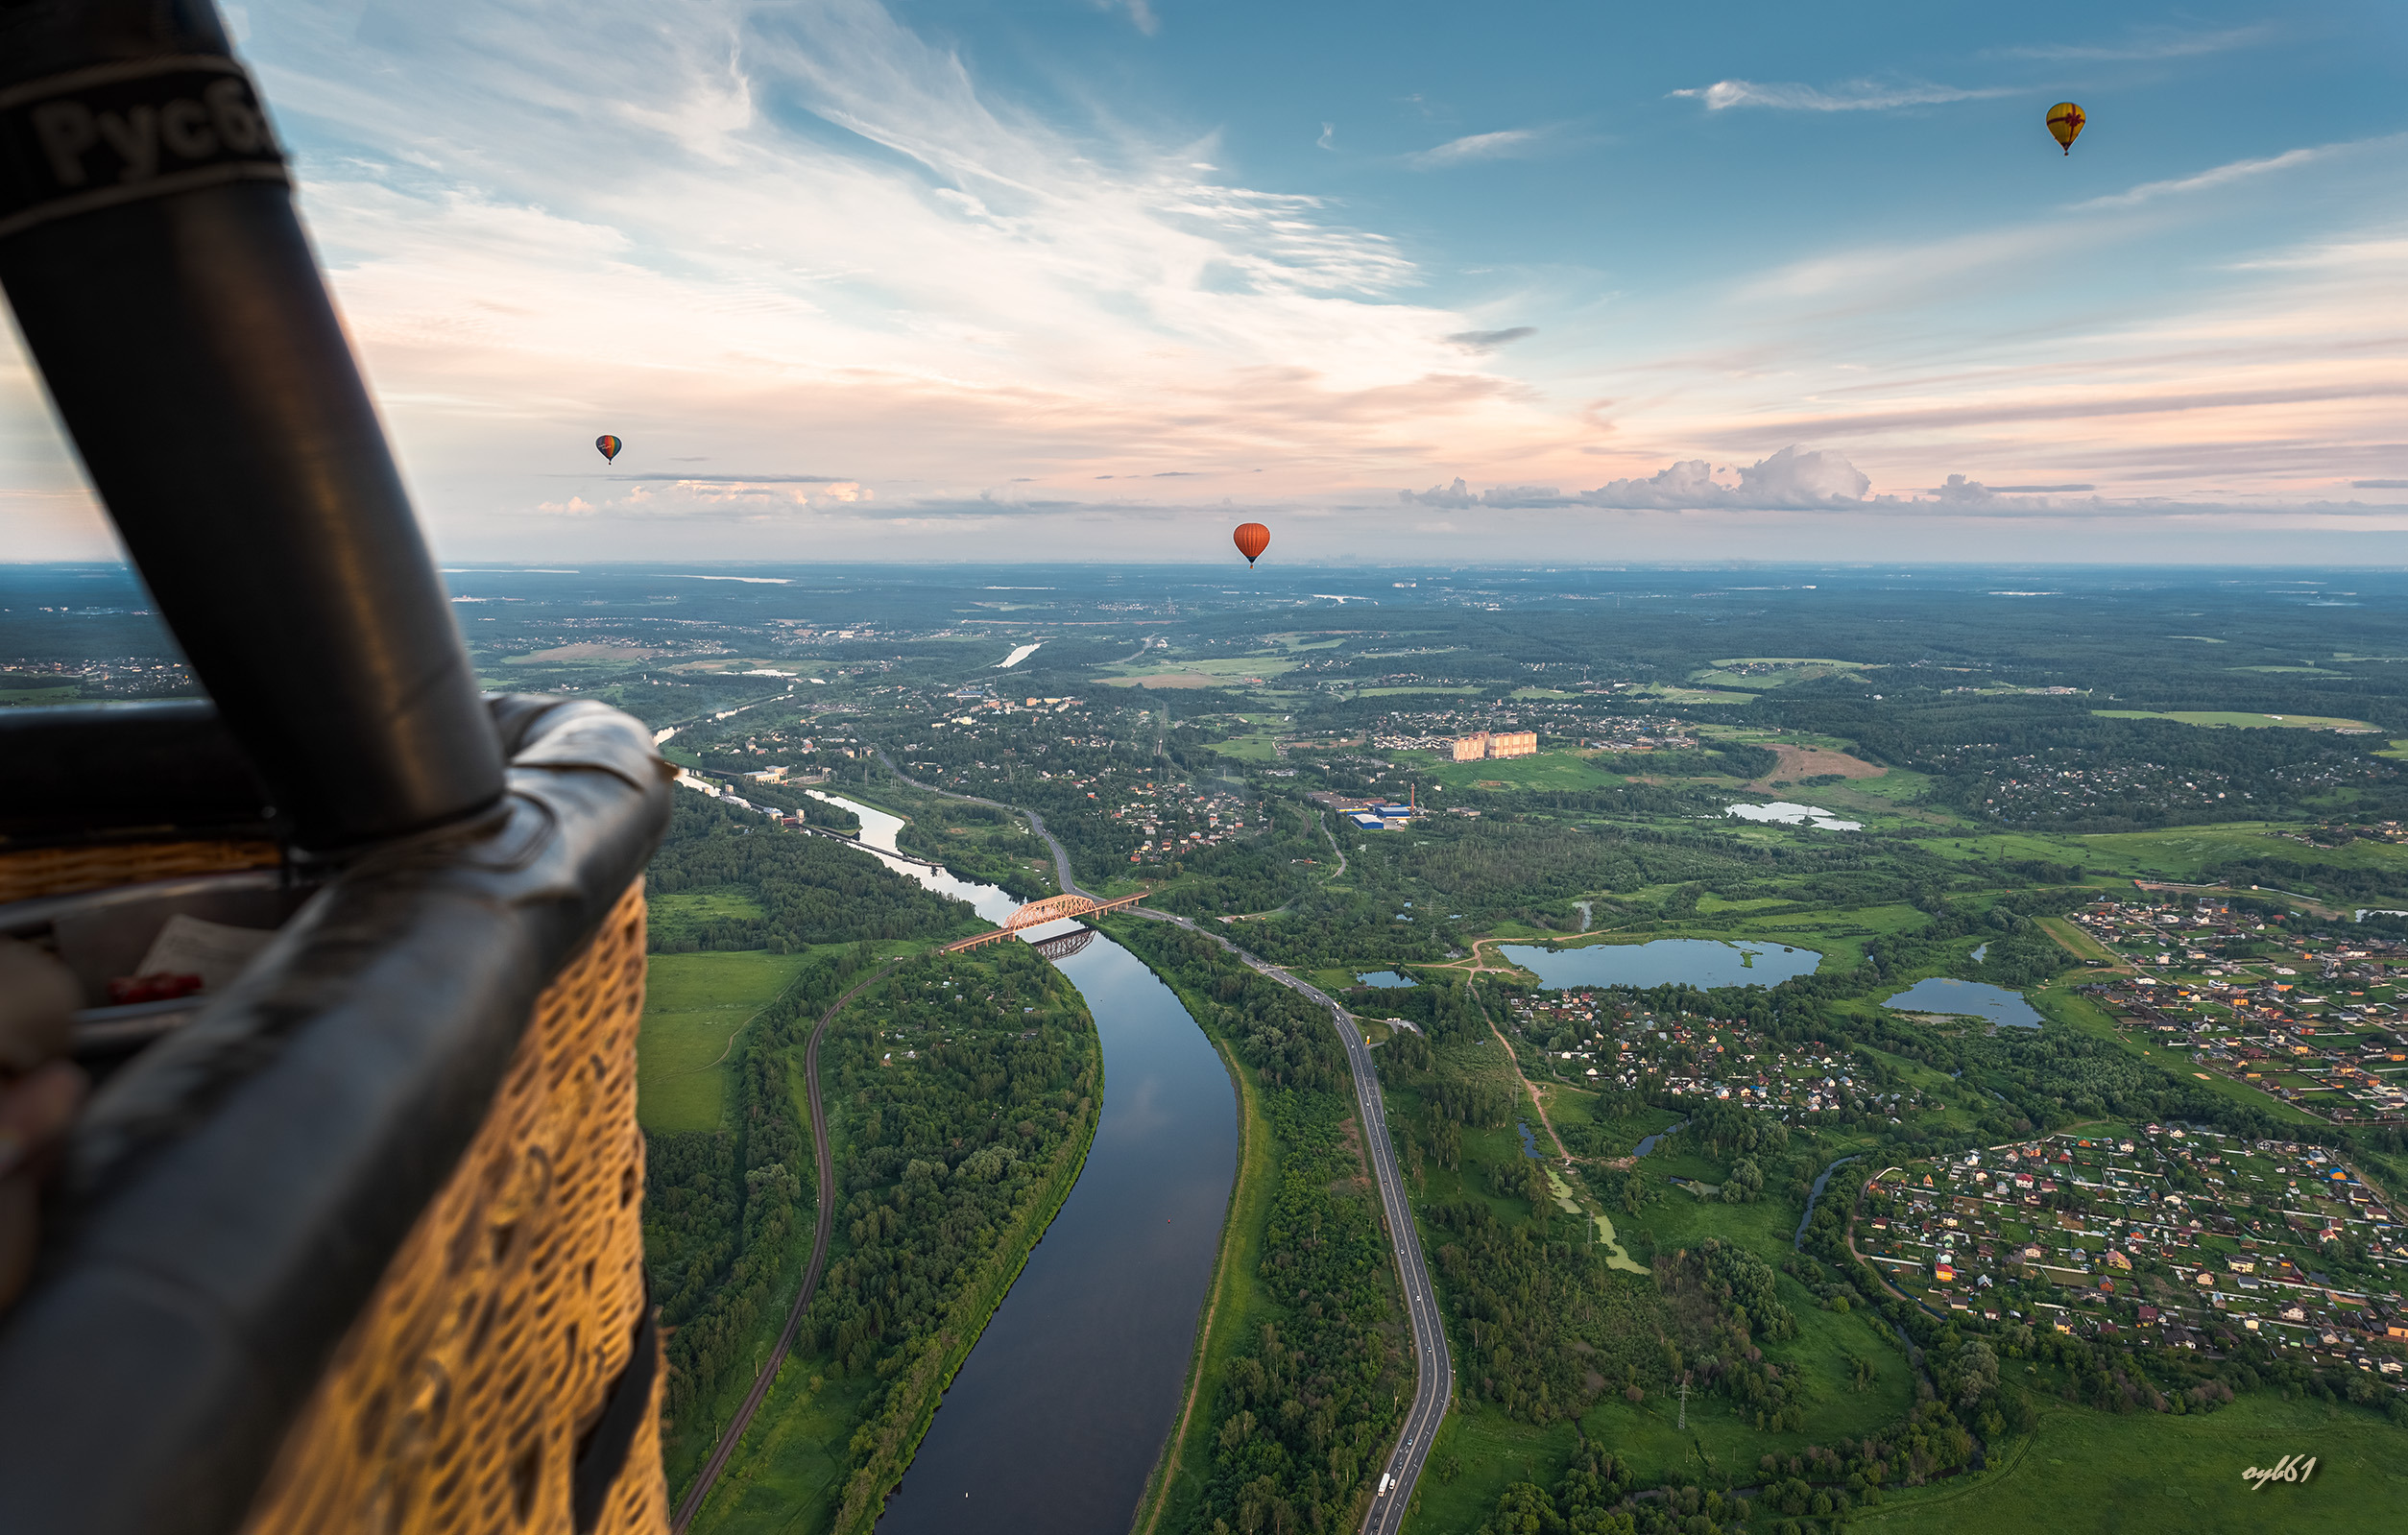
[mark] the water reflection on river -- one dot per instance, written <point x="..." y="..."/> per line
<point x="1056" y="1418"/>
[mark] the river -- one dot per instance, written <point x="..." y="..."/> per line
<point x="1059" y="1412"/>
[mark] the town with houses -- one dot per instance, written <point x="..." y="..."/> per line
<point x="1592" y="1039"/>
<point x="2185" y="1236"/>
<point x="2307" y="1018"/>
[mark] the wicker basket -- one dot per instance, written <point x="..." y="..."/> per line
<point x="457" y="1401"/>
<point x="504" y="1373"/>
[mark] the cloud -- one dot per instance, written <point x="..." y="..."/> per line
<point x="1329" y="132"/>
<point x="1856" y="96"/>
<point x="732" y="479"/>
<point x="1791" y="480"/>
<point x="1959" y="493"/>
<point x="1505" y="144"/>
<point x="1491" y="340"/>
<point x="2223" y="175"/>
<point x="1141" y="13"/>
<point x="2144" y="43"/>
<point x="1458" y="495"/>
<point x="2378" y="485"/>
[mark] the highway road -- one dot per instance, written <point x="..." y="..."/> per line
<point x="753" y="1399"/>
<point x="1434" y="1367"/>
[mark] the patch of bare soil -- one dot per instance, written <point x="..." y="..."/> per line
<point x="1814" y="761"/>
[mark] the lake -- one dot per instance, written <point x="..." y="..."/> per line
<point x="1968" y="998"/>
<point x="1784" y="813"/>
<point x="1386" y="979"/>
<point x="1700" y="962"/>
<point x="1059" y="1414"/>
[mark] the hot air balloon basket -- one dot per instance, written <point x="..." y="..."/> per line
<point x="477" y="1353"/>
<point x="32" y="872"/>
<point x="504" y="1376"/>
<point x="506" y="1327"/>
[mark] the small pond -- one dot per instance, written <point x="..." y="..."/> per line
<point x="1386" y="979"/>
<point x="1969" y="999"/>
<point x="1700" y="962"/>
<point x="1784" y="813"/>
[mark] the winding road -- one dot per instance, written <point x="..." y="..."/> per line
<point x="1434" y="1367"/>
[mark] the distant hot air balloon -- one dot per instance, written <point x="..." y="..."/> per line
<point x="2065" y="120"/>
<point x="607" y="447"/>
<point x="1251" y="539"/>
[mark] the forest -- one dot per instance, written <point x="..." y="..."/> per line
<point x="963" y="1092"/>
<point x="1300" y="1420"/>
<point x="781" y="890"/>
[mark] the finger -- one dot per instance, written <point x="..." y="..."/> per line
<point x="37" y="993"/>
<point x="36" y="1110"/>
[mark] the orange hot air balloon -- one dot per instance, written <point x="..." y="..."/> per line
<point x="1251" y="539"/>
<point x="607" y="447"/>
<point x="2065" y="120"/>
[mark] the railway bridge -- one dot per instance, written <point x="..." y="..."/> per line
<point x="1038" y="913"/>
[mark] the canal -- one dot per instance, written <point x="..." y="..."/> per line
<point x="1059" y="1412"/>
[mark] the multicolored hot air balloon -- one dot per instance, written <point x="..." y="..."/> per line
<point x="2065" y="120"/>
<point x="1251" y="539"/>
<point x="607" y="447"/>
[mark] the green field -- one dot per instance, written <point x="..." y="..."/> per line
<point x="693" y="1006"/>
<point x="1547" y="770"/>
<point x="1221" y="670"/>
<point x="1478" y="1454"/>
<point x="2186" y="851"/>
<point x="2083" y="1471"/>
<point x="2234" y="718"/>
<point x="672" y="917"/>
<point x="789" y="1477"/>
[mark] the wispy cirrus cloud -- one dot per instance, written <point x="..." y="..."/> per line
<point x="1503" y="144"/>
<point x="1853" y="96"/>
<point x="2143" y="43"/>
<point x="1491" y="340"/>
<point x="2232" y="171"/>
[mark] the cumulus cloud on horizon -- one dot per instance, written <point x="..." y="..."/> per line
<point x="1795" y="479"/>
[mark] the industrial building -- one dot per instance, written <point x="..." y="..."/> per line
<point x="1490" y="745"/>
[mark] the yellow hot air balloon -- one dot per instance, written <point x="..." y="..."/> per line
<point x="2065" y="120"/>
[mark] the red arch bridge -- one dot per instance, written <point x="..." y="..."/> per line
<point x="1038" y="913"/>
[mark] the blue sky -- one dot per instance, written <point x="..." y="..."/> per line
<point x="1601" y="282"/>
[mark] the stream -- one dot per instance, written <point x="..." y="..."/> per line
<point x="1798" y="1242"/>
<point x="1062" y="1407"/>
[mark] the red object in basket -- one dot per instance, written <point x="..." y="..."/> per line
<point x="162" y="986"/>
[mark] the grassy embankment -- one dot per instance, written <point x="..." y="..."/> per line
<point x="2083" y="1469"/>
<point x="1232" y="1307"/>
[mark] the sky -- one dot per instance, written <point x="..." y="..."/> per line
<point x="1096" y="279"/>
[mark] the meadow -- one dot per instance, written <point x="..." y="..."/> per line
<point x="694" y="1005"/>
<point x="2235" y="719"/>
<point x="2088" y="1471"/>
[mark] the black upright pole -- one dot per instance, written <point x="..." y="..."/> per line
<point x="150" y="248"/>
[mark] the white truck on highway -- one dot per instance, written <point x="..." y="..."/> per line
<point x="1386" y="1482"/>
